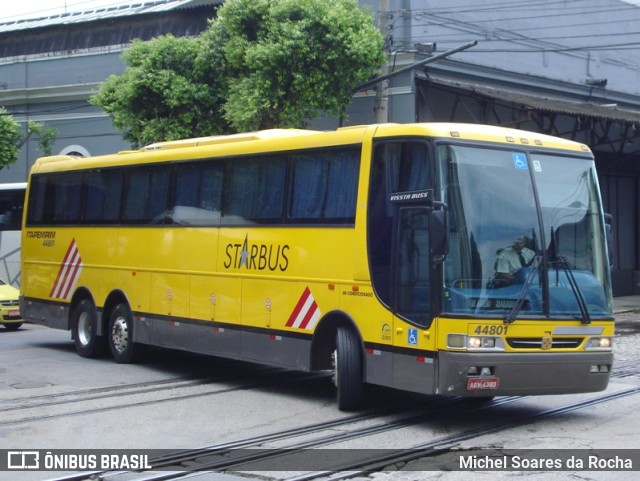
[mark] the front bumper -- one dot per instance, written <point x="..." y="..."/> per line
<point x="522" y="374"/>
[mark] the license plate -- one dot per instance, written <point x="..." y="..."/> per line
<point x="14" y="313"/>
<point x="482" y="383"/>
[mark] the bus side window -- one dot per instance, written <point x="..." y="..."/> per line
<point x="67" y="198"/>
<point x="147" y="195"/>
<point x="198" y="194"/>
<point x="324" y="186"/>
<point x="104" y="196"/>
<point x="254" y="191"/>
<point x="11" y="202"/>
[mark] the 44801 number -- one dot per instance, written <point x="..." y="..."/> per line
<point x="491" y="330"/>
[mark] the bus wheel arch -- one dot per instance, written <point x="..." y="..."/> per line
<point x="337" y="345"/>
<point x="86" y="330"/>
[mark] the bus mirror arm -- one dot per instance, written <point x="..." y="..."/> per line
<point x="439" y="231"/>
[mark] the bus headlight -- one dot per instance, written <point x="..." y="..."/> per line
<point x="460" y="341"/>
<point x="600" y="343"/>
<point x="475" y="342"/>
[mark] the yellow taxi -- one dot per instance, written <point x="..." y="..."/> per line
<point x="10" y="316"/>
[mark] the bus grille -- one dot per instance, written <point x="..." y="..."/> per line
<point x="536" y="342"/>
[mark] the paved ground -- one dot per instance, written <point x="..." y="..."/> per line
<point x="627" y="313"/>
<point x="627" y="305"/>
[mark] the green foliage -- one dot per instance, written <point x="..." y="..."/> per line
<point x="46" y="136"/>
<point x="9" y="139"/>
<point x="294" y="58"/>
<point x="260" y="64"/>
<point x="163" y="94"/>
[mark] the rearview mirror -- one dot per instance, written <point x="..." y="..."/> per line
<point x="439" y="232"/>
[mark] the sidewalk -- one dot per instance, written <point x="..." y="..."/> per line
<point x="626" y="304"/>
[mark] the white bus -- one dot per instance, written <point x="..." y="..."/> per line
<point x="11" y="204"/>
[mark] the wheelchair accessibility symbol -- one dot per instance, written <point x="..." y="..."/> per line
<point x="412" y="337"/>
<point x="520" y="161"/>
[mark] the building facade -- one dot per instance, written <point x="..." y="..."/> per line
<point x="49" y="67"/>
<point x="567" y="68"/>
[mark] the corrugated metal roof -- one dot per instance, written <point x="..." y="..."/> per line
<point x="134" y="8"/>
<point x="610" y="111"/>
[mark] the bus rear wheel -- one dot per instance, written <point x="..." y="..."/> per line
<point x="123" y="349"/>
<point x="347" y="369"/>
<point x="86" y="338"/>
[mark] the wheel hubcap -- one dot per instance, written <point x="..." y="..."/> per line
<point x="85" y="330"/>
<point x="120" y="334"/>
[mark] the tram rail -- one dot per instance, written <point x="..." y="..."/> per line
<point x="259" y="454"/>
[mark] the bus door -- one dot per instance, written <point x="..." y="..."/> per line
<point x="399" y="217"/>
<point x="413" y="266"/>
<point x="400" y="211"/>
<point x="413" y="362"/>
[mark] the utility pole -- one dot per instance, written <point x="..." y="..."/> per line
<point x="381" y="108"/>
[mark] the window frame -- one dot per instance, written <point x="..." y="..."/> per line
<point x="164" y="216"/>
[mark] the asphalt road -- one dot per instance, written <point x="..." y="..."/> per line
<point x="50" y="398"/>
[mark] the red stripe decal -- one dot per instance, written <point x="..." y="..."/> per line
<point x="62" y="267"/>
<point x="68" y="273"/>
<point x="308" y="315"/>
<point x="298" y="308"/>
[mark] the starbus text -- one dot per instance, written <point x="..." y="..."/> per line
<point x="257" y="256"/>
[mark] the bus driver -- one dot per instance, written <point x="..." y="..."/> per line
<point x="512" y="259"/>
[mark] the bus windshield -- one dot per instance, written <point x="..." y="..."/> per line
<point x="526" y="230"/>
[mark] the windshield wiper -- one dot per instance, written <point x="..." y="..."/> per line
<point x="511" y="315"/>
<point x="582" y="305"/>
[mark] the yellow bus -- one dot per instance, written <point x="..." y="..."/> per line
<point x="448" y="259"/>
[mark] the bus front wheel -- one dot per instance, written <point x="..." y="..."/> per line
<point x="86" y="338"/>
<point x="347" y="369"/>
<point x="123" y="349"/>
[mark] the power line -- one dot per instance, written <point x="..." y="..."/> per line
<point x="439" y="23"/>
<point x="576" y="7"/>
<point x="590" y="48"/>
<point x="518" y="23"/>
<point x="541" y="49"/>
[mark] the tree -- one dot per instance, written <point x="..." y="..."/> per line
<point x="291" y="59"/>
<point x="9" y="139"/>
<point x="260" y="64"/>
<point x="12" y="140"/>
<point x="163" y="93"/>
<point x="46" y="136"/>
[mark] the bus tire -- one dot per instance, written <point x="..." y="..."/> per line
<point x="14" y="326"/>
<point x="84" y="325"/>
<point x="348" y="369"/>
<point x="120" y="335"/>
